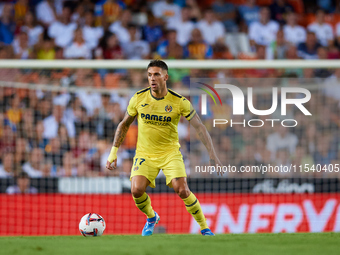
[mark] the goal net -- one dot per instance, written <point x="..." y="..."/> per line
<point x="274" y="126"/>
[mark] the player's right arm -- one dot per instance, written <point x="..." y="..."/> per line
<point x="121" y="131"/>
<point x="120" y="134"/>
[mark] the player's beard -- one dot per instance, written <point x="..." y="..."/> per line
<point x="157" y="87"/>
<point x="154" y="88"/>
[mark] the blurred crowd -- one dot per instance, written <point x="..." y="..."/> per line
<point x="171" y="29"/>
<point x="49" y="132"/>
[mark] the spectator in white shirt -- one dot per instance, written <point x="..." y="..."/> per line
<point x="22" y="186"/>
<point x="322" y="30"/>
<point x="281" y="139"/>
<point x="45" y="12"/>
<point x="331" y="86"/>
<point x="20" y="46"/>
<point x="263" y="32"/>
<point x="120" y="27"/>
<point x="183" y="27"/>
<point x="210" y="28"/>
<point x="51" y="123"/>
<point x="166" y="10"/>
<point x="90" y="100"/>
<point x="58" y="6"/>
<point x="136" y="49"/>
<point x="62" y="31"/>
<point x="34" y="167"/>
<point x="78" y="49"/>
<point x="6" y="168"/>
<point x="294" y="33"/>
<point x="33" y="30"/>
<point x="91" y="34"/>
<point x="78" y="15"/>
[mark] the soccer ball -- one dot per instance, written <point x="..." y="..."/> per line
<point x="92" y="224"/>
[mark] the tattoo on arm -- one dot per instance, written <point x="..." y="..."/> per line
<point x="202" y="138"/>
<point x="122" y="129"/>
<point x="203" y="134"/>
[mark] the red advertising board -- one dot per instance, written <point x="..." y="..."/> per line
<point x="57" y="214"/>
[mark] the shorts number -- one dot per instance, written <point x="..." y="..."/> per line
<point x="141" y="161"/>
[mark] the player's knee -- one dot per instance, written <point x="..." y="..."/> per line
<point x="183" y="192"/>
<point x="137" y="192"/>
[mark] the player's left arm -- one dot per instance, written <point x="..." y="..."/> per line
<point x="190" y="114"/>
<point x="206" y="140"/>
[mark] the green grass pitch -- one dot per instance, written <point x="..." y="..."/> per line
<point x="162" y="244"/>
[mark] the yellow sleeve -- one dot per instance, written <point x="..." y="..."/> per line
<point x="131" y="109"/>
<point x="186" y="109"/>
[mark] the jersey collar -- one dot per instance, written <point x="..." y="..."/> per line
<point x="158" y="98"/>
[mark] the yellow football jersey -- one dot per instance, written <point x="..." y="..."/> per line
<point x="158" y="120"/>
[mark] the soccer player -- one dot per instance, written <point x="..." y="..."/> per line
<point x="158" y="110"/>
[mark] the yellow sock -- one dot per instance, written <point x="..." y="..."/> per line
<point x="144" y="204"/>
<point x="194" y="208"/>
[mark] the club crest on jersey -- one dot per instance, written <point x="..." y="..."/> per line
<point x="168" y="108"/>
<point x="135" y="168"/>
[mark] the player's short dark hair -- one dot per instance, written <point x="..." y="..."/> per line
<point x="158" y="63"/>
